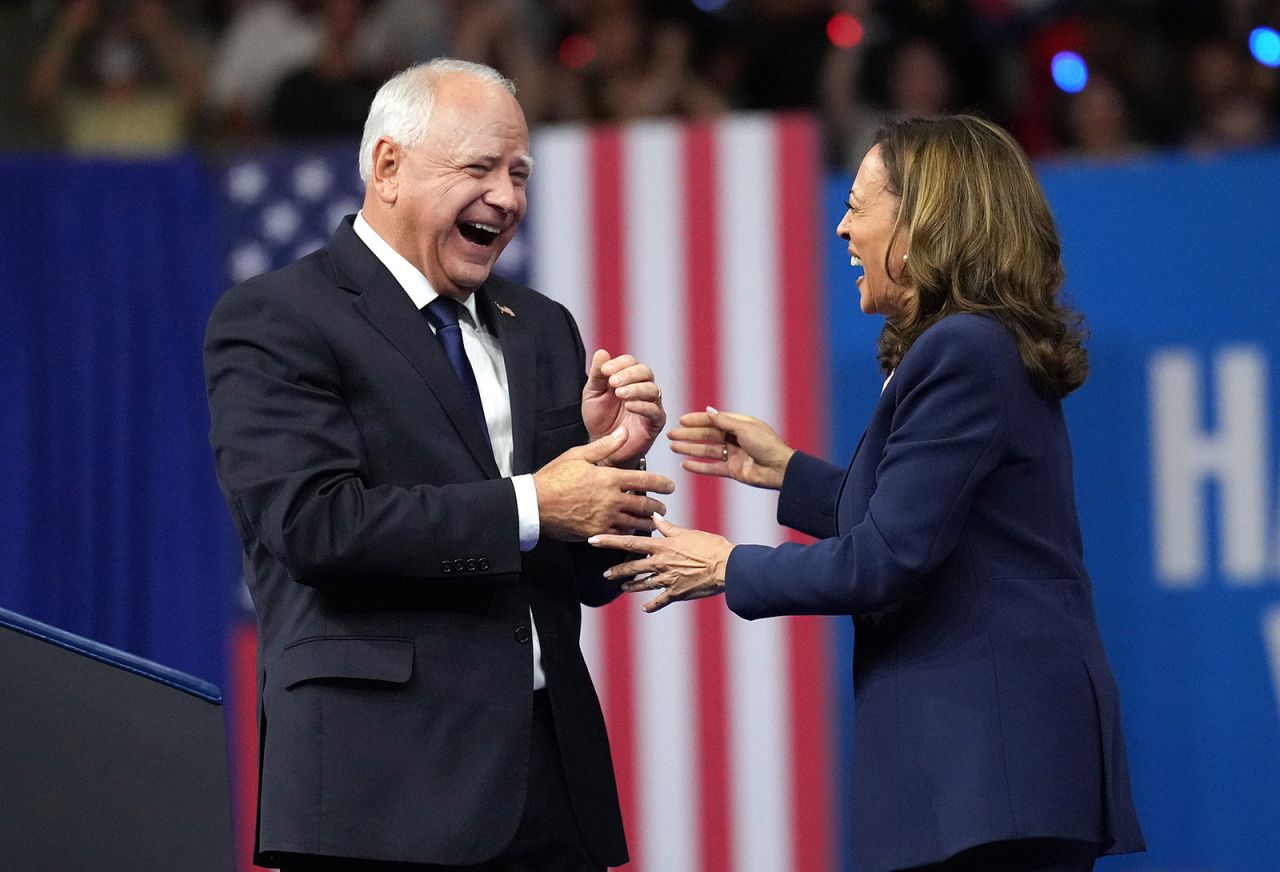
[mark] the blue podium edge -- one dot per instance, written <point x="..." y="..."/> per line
<point x="112" y="656"/>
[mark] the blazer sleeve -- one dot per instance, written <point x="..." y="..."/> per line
<point x="807" y="500"/>
<point x="948" y="433"/>
<point x="289" y="458"/>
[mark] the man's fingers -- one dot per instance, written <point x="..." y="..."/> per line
<point x="632" y="374"/>
<point x="596" y="379"/>
<point x="597" y="451"/>
<point x="637" y="523"/>
<point x="645" y="390"/>
<point x="617" y="364"/>
<point x="639" y="505"/>
<point x="649" y="482"/>
<point x="598" y="360"/>
<point x="652" y="411"/>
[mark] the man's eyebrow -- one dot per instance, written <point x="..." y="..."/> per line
<point x="492" y="158"/>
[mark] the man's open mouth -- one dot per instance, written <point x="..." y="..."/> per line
<point x="480" y="234"/>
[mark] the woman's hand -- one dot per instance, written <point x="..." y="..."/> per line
<point x="733" y="446"/>
<point x="683" y="564"/>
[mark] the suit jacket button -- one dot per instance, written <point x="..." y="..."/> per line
<point x="446" y="567"/>
<point x="523" y="635"/>
<point x="482" y="564"/>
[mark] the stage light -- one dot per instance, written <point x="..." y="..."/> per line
<point x="576" y="51"/>
<point x="1264" y="43"/>
<point x="844" y="30"/>
<point x="1070" y="72"/>
<point x="710" y="5"/>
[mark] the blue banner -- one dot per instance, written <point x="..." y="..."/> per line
<point x="111" y="525"/>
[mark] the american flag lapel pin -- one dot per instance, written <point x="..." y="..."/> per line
<point x="505" y="310"/>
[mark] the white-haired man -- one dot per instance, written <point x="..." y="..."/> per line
<point x="402" y="439"/>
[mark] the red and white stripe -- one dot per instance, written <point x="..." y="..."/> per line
<point x="694" y="248"/>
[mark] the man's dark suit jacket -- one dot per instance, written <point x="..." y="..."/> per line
<point x="984" y="706"/>
<point x="382" y="553"/>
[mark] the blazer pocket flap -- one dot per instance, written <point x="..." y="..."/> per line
<point x="564" y="416"/>
<point x="365" y="658"/>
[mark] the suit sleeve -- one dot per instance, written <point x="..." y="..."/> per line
<point x="290" y="455"/>
<point x="947" y="435"/>
<point x="807" y="500"/>
<point x="590" y="563"/>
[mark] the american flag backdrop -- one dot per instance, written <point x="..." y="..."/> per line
<point x="693" y="247"/>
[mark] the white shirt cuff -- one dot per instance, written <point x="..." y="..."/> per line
<point x="527" y="510"/>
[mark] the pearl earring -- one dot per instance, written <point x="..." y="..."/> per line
<point x="904" y="257"/>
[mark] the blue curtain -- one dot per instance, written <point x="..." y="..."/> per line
<point x="111" y="525"/>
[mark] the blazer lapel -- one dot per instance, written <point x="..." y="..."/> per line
<point x="520" y="352"/>
<point x="844" y="482"/>
<point x="386" y="306"/>
<point x="875" y="411"/>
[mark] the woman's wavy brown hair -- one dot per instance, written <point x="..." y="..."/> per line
<point x="980" y="238"/>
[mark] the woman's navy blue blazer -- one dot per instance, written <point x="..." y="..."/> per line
<point x="984" y="706"/>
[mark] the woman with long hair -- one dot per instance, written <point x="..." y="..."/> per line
<point x="987" y="724"/>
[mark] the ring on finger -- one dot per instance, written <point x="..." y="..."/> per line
<point x="724" y="452"/>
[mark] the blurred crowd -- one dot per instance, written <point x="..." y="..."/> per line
<point x="153" y="76"/>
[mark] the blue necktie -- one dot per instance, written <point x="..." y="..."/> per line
<point x="443" y="314"/>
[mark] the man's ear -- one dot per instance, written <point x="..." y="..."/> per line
<point x="388" y="163"/>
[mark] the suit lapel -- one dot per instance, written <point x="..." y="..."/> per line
<point x="385" y="305"/>
<point x="520" y="353"/>
<point x="844" y="481"/>
<point x="858" y="447"/>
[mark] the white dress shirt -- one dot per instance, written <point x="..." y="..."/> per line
<point x="484" y="353"/>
